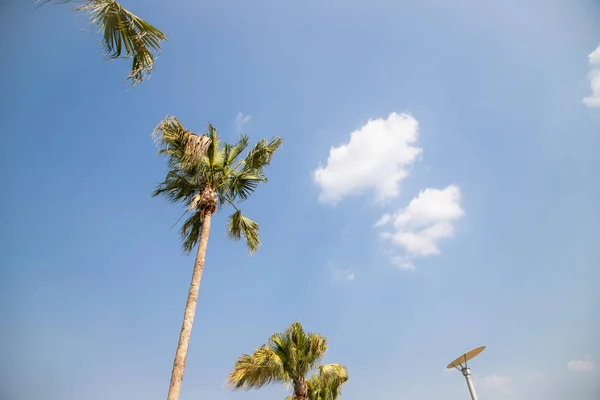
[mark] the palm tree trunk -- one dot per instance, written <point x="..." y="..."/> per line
<point x="190" y="311"/>
<point x="300" y="390"/>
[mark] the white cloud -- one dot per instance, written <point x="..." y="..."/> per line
<point x="587" y="364"/>
<point x="594" y="77"/>
<point x="339" y="274"/>
<point x="376" y="159"/>
<point x="428" y="218"/>
<point x="595" y="56"/>
<point x="594" y="99"/>
<point x="402" y="263"/>
<point x="385" y="218"/>
<point x="240" y="121"/>
<point x="496" y="382"/>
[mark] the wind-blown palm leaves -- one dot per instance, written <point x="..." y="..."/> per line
<point x="327" y="385"/>
<point x="123" y="35"/>
<point x="206" y="176"/>
<point x="288" y="358"/>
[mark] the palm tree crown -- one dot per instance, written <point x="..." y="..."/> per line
<point x="287" y="358"/>
<point x="207" y="175"/>
<point x="124" y="34"/>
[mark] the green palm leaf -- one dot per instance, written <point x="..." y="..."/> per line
<point x="190" y="231"/>
<point x="242" y="185"/>
<point x="329" y="381"/>
<point x="241" y="226"/>
<point x="179" y="187"/>
<point x="233" y="152"/>
<point x="256" y="370"/>
<point x="215" y="153"/>
<point x="262" y="153"/>
<point x="124" y="34"/>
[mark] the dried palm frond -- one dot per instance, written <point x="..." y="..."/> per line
<point x="196" y="145"/>
<point x="194" y="202"/>
<point x="180" y="145"/>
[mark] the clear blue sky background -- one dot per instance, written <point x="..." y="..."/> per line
<point x="93" y="281"/>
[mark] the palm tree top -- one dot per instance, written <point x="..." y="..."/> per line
<point x="207" y="175"/>
<point x="287" y="356"/>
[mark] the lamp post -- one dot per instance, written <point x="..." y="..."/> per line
<point x="461" y="364"/>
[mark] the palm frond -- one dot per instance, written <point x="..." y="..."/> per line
<point x="124" y="35"/>
<point x="280" y="343"/>
<point x="256" y="370"/>
<point x="332" y="377"/>
<point x="317" y="348"/>
<point x="233" y="152"/>
<point x="326" y="385"/>
<point x="241" y="185"/>
<point x="260" y="156"/>
<point x="314" y="388"/>
<point x="190" y="231"/>
<point x="241" y="226"/>
<point x="301" y="351"/>
<point x="301" y="342"/>
<point x="214" y="152"/>
<point x="179" y="187"/>
<point x="333" y="372"/>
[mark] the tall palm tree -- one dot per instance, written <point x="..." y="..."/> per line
<point x="288" y="358"/>
<point x="124" y="34"/>
<point x="207" y="176"/>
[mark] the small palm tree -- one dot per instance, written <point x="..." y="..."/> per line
<point x="288" y="358"/>
<point x="327" y="385"/>
<point x="207" y="176"/>
<point x="123" y="35"/>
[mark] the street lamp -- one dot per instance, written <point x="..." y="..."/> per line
<point x="461" y="364"/>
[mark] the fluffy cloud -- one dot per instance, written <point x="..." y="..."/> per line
<point x="587" y="364"/>
<point x="594" y="99"/>
<point x="240" y="121"/>
<point x="429" y="217"/>
<point x="375" y="159"/>
<point x="496" y="382"/>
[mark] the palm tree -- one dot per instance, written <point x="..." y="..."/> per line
<point x="328" y="383"/>
<point x="288" y="358"/>
<point x="123" y="34"/>
<point x="207" y="176"/>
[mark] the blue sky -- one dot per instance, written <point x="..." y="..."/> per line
<point x="94" y="281"/>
